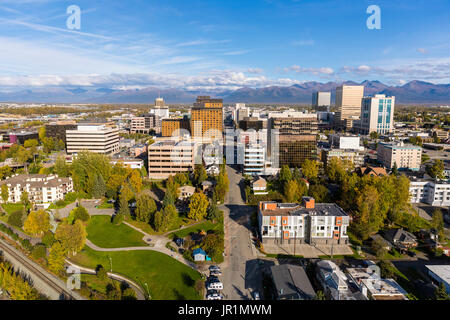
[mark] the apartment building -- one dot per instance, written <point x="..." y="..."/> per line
<point x="207" y="118"/>
<point x="406" y="156"/>
<point x="306" y="223"/>
<point x="95" y="138"/>
<point x="144" y="124"/>
<point x="377" y="114"/>
<point x="374" y="287"/>
<point x="254" y="159"/>
<point x="296" y="138"/>
<point x="354" y="156"/>
<point x="41" y="189"/>
<point x="432" y="192"/>
<point x="167" y="158"/>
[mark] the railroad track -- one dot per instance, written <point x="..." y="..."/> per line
<point x="50" y="280"/>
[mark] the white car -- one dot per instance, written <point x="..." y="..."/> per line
<point x="214" y="296"/>
<point x="215" y="286"/>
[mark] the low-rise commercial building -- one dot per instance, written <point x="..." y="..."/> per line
<point x="41" y="189"/>
<point x="354" y="156"/>
<point x="404" y="155"/>
<point x="145" y="123"/>
<point x="95" y="138"/>
<point x="310" y="223"/>
<point x="374" y="287"/>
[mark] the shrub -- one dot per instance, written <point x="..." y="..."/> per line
<point x="117" y="219"/>
<point x="60" y="203"/>
<point x="129" y="294"/>
<point x="15" y="219"/>
<point x="26" y="244"/>
<point x="80" y="213"/>
<point x="71" y="197"/>
<point x="102" y="274"/>
<point x="39" y="251"/>
<point x="48" y="239"/>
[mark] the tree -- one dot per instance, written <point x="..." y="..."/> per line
<point x="310" y="169"/>
<point x="30" y="143"/>
<point x="436" y="170"/>
<point x="102" y="274"/>
<point x="213" y="245"/>
<point x="198" y="206"/>
<point x="379" y="248"/>
<point x="25" y="201"/>
<point x="200" y="174"/>
<point x="48" y="239"/>
<point x="213" y="212"/>
<point x="16" y="218"/>
<point x="136" y="181"/>
<point x="56" y="258"/>
<point x="145" y="207"/>
<point x="124" y="206"/>
<point x="5" y="193"/>
<point x="99" y="188"/>
<point x="114" y="184"/>
<point x="72" y="237"/>
<point x="395" y="169"/>
<point x="441" y="292"/>
<point x="80" y="213"/>
<point x="285" y="174"/>
<point x="222" y="186"/>
<point x="37" y="223"/>
<point x="159" y="223"/>
<point x="319" y="192"/>
<point x="374" y="135"/>
<point x="291" y="190"/>
<point x="437" y="222"/>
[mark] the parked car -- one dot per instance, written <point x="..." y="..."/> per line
<point x="412" y="254"/>
<point x="216" y="273"/>
<point x="214" y="295"/>
<point x="215" y="286"/>
<point x="212" y="268"/>
<point x="256" y="295"/>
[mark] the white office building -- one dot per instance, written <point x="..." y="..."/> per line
<point x="377" y="114"/>
<point x="346" y="142"/>
<point x="95" y="138"/>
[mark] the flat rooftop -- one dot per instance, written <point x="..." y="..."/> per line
<point x="442" y="271"/>
<point x="294" y="209"/>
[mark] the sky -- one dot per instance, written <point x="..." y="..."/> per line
<point x="221" y="45"/>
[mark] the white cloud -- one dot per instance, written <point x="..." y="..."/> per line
<point x="422" y="50"/>
<point x="314" y="71"/>
<point x="303" y="43"/>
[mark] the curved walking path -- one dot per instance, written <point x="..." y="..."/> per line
<point x="139" y="292"/>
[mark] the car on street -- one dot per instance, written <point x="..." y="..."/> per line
<point x="412" y="254"/>
<point x="256" y="295"/>
<point x="211" y="268"/>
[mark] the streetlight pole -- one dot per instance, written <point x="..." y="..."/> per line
<point x="110" y="262"/>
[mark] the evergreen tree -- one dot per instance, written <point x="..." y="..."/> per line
<point x="99" y="188"/>
<point x="441" y="292"/>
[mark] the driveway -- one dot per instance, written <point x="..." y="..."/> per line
<point x="241" y="271"/>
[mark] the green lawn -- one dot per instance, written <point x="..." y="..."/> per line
<point x="205" y="226"/>
<point x="12" y="207"/>
<point x="107" y="235"/>
<point x="106" y="205"/>
<point x="167" y="278"/>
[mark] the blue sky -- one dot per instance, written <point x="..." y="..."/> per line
<point x="221" y="44"/>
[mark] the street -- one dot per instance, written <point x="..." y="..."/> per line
<point x="241" y="271"/>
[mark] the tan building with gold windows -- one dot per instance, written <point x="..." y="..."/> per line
<point x="348" y="103"/>
<point x="170" y="126"/>
<point x="207" y="118"/>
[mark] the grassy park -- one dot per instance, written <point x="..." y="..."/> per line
<point x="105" y="234"/>
<point x="166" y="278"/>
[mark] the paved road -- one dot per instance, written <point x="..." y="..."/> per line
<point x="241" y="273"/>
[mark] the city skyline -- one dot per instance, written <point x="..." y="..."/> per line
<point x="220" y="46"/>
